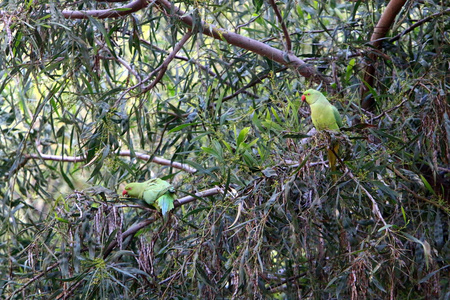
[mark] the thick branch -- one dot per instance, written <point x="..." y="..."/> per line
<point x="380" y="31"/>
<point x="281" y="57"/>
<point x="247" y="43"/>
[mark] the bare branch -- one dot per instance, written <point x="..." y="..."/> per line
<point x="130" y="231"/>
<point x="389" y="110"/>
<point x="73" y="159"/>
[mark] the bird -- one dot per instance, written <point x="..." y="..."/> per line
<point x="156" y="192"/>
<point x="324" y="116"/>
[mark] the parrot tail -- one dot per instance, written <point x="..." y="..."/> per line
<point x="332" y="156"/>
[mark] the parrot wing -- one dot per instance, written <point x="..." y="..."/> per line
<point x="154" y="189"/>
<point x="159" y="193"/>
<point x="337" y="116"/>
<point x="165" y="203"/>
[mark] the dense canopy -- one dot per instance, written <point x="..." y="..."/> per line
<point x="207" y="96"/>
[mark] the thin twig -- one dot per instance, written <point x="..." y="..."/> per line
<point x="389" y="110"/>
<point x="34" y="279"/>
<point x="117" y="58"/>
<point x="166" y="62"/>
<point x="375" y="209"/>
<point x="287" y="37"/>
<point x="259" y="79"/>
<point x="425" y="199"/>
<point x="141" y="156"/>
<point x="418" y="23"/>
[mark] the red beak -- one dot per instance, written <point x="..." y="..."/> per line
<point x="124" y="193"/>
<point x="303" y="98"/>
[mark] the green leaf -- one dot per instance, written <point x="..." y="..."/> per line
<point x="182" y="126"/>
<point x="427" y="185"/>
<point x="242" y="136"/>
<point x="257" y="4"/>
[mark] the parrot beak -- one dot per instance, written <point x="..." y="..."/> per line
<point x="303" y="98"/>
<point x="124" y="193"/>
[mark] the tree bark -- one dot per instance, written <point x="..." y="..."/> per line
<point x="379" y="32"/>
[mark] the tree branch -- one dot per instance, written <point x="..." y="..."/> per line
<point x="418" y="23"/>
<point x="206" y="193"/>
<point x="379" y="32"/>
<point x="259" y="78"/>
<point x="142" y="156"/>
<point x="281" y="57"/>
<point x="166" y="62"/>
<point x="283" y="26"/>
<point x="136" y="227"/>
<point x="107" y="13"/>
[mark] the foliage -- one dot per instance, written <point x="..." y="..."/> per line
<point x="77" y="92"/>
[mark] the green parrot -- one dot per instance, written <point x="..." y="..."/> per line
<point x="156" y="192"/>
<point x="324" y="117"/>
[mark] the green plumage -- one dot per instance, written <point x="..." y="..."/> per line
<point x="156" y="192"/>
<point x="324" y="117"/>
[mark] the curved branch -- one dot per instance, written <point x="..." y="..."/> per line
<point x="418" y="23"/>
<point x="380" y="31"/>
<point x="107" y="13"/>
<point x="142" y="156"/>
<point x="166" y="62"/>
<point x="206" y="193"/>
<point x="159" y="160"/>
<point x="281" y="57"/>
<point x="130" y="231"/>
